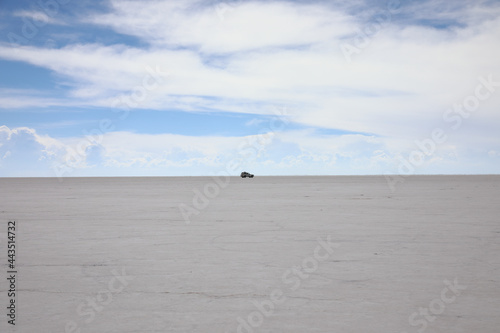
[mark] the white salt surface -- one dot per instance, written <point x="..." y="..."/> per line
<point x="424" y="258"/>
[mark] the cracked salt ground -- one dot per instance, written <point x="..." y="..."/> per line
<point x="115" y="255"/>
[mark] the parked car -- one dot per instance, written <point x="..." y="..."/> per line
<point x="245" y="174"/>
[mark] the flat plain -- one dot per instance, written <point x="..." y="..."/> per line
<point x="268" y="254"/>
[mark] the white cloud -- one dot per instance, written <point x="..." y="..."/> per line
<point x="244" y="26"/>
<point x="24" y="98"/>
<point x="408" y="75"/>
<point x="285" y="152"/>
<point x="260" y="54"/>
<point x="24" y="152"/>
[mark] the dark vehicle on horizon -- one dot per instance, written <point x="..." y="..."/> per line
<point x="245" y="174"/>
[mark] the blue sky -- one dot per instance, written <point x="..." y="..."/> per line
<point x="188" y="88"/>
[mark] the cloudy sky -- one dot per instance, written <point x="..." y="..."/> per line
<point x="201" y="87"/>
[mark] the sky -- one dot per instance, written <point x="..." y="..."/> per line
<point x="204" y="87"/>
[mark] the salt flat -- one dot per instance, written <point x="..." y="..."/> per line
<point x="269" y="254"/>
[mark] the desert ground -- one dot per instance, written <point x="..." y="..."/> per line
<point x="268" y="254"/>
